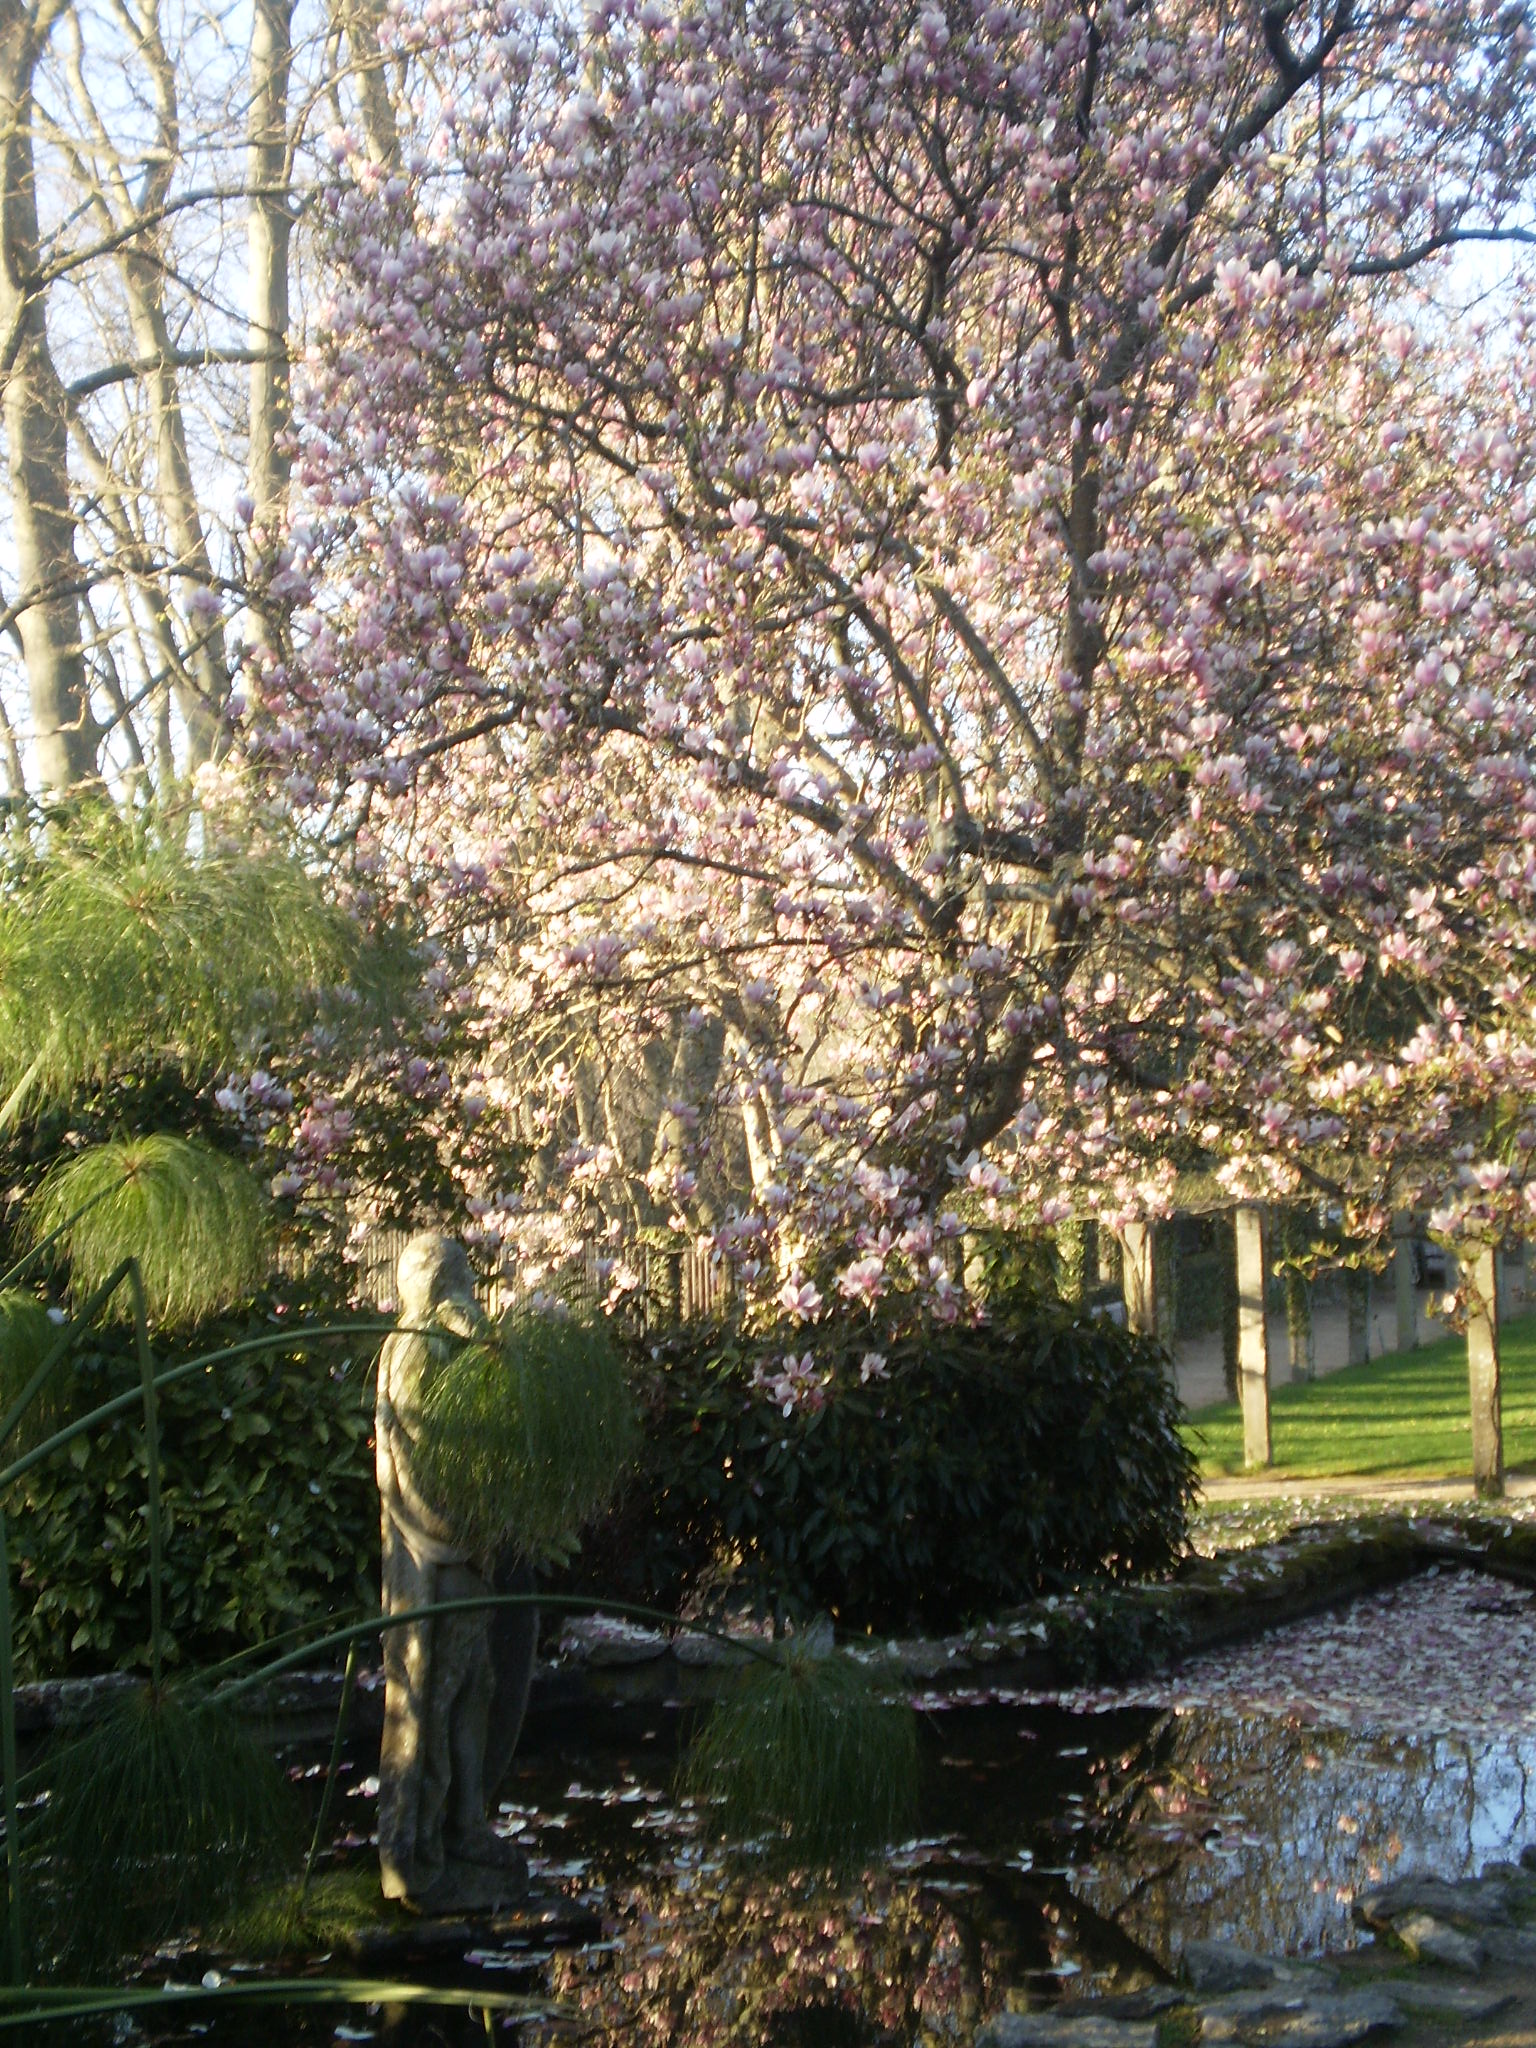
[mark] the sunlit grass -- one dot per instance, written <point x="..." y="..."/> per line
<point x="1404" y="1416"/>
<point x="275" y="1920"/>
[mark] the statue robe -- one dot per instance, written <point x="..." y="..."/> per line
<point x="455" y="1687"/>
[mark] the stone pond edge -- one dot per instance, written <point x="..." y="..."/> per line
<point x="1113" y="1633"/>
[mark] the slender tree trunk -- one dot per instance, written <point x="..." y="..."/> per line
<point x="1138" y="1277"/>
<point x="360" y="22"/>
<point x="1252" y="1336"/>
<point x="1357" y="1309"/>
<point x="35" y="416"/>
<point x="1402" y="1284"/>
<point x="1483" y="1375"/>
<point x="202" y="688"/>
<point x="270" y="231"/>
<point x="1227" y="1246"/>
<point x="1298" y="1295"/>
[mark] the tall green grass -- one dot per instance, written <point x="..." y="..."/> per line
<point x="156" y="1816"/>
<point x="805" y="1756"/>
<point x="126" y="943"/>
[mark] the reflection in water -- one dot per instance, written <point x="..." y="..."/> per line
<point x="1061" y="1850"/>
<point x="1065" y="1853"/>
<point x="1263" y="1832"/>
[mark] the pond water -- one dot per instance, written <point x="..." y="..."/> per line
<point x="1063" y="1848"/>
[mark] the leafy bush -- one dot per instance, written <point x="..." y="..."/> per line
<point x="986" y="1465"/>
<point x="272" y="1514"/>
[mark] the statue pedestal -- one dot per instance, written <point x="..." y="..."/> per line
<point x="473" y="1888"/>
<point x="402" y="1940"/>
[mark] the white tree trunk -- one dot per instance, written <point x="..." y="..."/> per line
<point x="1252" y="1337"/>
<point x="35" y="415"/>
<point x="269" y="233"/>
<point x="1480" y="1266"/>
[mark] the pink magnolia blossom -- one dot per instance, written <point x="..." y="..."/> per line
<point x="899" y="592"/>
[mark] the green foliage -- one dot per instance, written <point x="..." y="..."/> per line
<point x="271" y="1512"/>
<point x="806" y="1752"/>
<point x="529" y="1438"/>
<point x="1008" y="1267"/>
<point x="193" y="1218"/>
<point x="279" y="1919"/>
<point x="991" y="1464"/>
<point x="156" y="1814"/>
<point x="124" y="946"/>
<point x="1112" y="1636"/>
<point x="27" y="1335"/>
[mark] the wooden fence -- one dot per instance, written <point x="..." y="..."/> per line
<point x="682" y="1281"/>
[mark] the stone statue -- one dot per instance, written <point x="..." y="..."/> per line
<point x="456" y="1687"/>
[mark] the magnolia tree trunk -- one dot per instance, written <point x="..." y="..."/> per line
<point x="47" y="601"/>
<point x="1482" y="1296"/>
<point x="1252" y="1337"/>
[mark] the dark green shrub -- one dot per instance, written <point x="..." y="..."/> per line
<point x="985" y="1466"/>
<point x="272" y="1514"/>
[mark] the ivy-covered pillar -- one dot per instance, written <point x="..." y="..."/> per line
<point x="1294" y="1236"/>
<point x="1357" y="1313"/>
<point x="1402" y="1282"/>
<point x="1481" y="1281"/>
<point x="1072" y="1260"/>
<point x="1252" y="1336"/>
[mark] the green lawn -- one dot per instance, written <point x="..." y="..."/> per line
<point x="1404" y="1416"/>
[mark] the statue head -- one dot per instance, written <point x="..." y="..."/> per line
<point x="434" y="1284"/>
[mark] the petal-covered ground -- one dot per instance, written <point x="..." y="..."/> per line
<point x="1450" y="1652"/>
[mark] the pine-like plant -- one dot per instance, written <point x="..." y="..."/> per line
<point x="130" y="942"/>
<point x="807" y="1757"/>
<point x="193" y="1220"/>
<point x="155" y="1816"/>
<point x="528" y="1439"/>
<point x="28" y="1337"/>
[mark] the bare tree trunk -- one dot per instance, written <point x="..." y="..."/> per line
<point x="1253" y="1337"/>
<point x="359" y="21"/>
<point x="1403" y="1297"/>
<point x="35" y="415"/>
<point x="1480" y="1265"/>
<point x="203" y="690"/>
<point x="1357" y="1303"/>
<point x="270" y="231"/>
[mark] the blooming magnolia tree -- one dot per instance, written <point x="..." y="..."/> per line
<point x="936" y="609"/>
